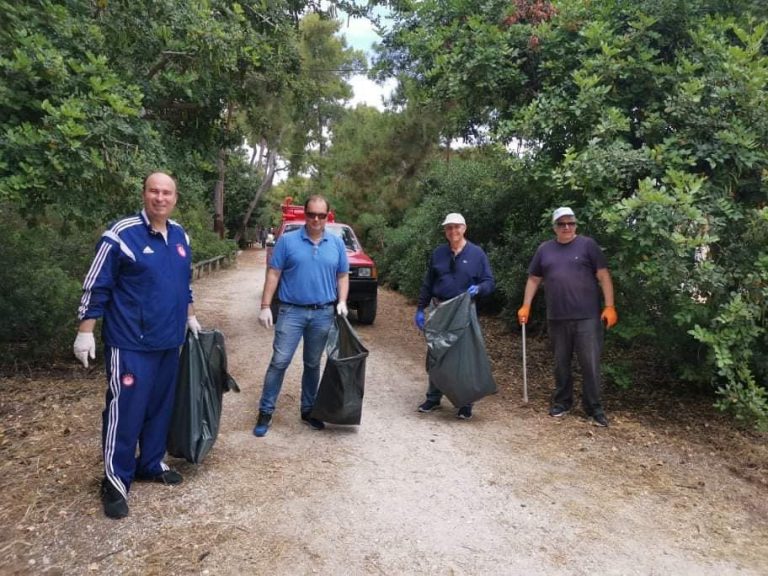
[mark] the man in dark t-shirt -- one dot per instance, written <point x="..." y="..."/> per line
<point x="574" y="271"/>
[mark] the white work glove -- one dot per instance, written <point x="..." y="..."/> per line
<point x="84" y="347"/>
<point x="341" y="309"/>
<point x="265" y="317"/>
<point x="193" y="325"/>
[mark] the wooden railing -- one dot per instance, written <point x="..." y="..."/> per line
<point x="212" y="264"/>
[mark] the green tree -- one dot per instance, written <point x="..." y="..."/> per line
<point x="650" y="120"/>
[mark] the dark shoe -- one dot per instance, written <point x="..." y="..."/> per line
<point x="600" y="420"/>
<point x="558" y="411"/>
<point x="115" y="505"/>
<point x="429" y="406"/>
<point x="313" y="423"/>
<point x="464" y="413"/>
<point x="168" y="477"/>
<point x="262" y="424"/>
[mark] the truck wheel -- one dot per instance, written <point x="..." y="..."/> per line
<point x="366" y="312"/>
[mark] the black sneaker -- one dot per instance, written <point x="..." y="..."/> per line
<point x="262" y="424"/>
<point x="558" y="411"/>
<point x="600" y="420"/>
<point x="464" y="413"/>
<point x="115" y="505"/>
<point x="313" y="423"/>
<point x="429" y="406"/>
<point x="168" y="477"/>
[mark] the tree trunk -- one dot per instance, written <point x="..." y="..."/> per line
<point x="218" y="191"/>
<point x="218" y="195"/>
<point x="262" y="148"/>
<point x="265" y="185"/>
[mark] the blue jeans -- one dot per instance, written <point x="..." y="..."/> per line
<point x="585" y="337"/>
<point x="293" y="324"/>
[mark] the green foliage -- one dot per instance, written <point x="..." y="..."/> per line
<point x="731" y="339"/>
<point x="620" y="373"/>
<point x="205" y="242"/>
<point x="97" y="95"/>
<point x="650" y="119"/>
<point x="469" y="185"/>
<point x="40" y="295"/>
<point x="371" y="167"/>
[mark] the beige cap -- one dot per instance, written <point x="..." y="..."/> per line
<point x="454" y="218"/>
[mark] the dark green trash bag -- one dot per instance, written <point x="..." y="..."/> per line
<point x="340" y="395"/>
<point x="202" y="381"/>
<point x="457" y="361"/>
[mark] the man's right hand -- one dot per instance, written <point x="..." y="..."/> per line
<point x="419" y="320"/>
<point x="84" y="347"/>
<point x="265" y="317"/>
<point x="523" y="313"/>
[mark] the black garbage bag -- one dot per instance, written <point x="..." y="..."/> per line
<point x="202" y="381"/>
<point x="340" y="395"/>
<point x="457" y="361"/>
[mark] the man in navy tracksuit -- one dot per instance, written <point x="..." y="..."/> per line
<point x="139" y="283"/>
<point x="456" y="267"/>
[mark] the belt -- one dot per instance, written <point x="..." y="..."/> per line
<point x="311" y="306"/>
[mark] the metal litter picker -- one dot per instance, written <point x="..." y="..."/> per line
<point x="525" y="371"/>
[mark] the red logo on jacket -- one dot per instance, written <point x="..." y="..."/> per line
<point x="181" y="251"/>
<point x="127" y="379"/>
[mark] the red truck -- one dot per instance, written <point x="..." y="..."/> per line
<point x="363" y="287"/>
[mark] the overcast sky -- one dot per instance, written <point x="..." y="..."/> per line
<point x="361" y="36"/>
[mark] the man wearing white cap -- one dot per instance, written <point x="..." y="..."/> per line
<point x="572" y="268"/>
<point x="456" y="267"/>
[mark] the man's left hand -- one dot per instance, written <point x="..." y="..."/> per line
<point x="193" y="325"/>
<point x="473" y="290"/>
<point x="609" y="316"/>
<point x="341" y="309"/>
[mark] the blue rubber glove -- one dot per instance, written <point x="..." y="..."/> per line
<point x="473" y="290"/>
<point x="419" y="320"/>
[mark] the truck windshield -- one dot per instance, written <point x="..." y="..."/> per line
<point x="343" y="232"/>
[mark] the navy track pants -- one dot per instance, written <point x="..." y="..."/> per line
<point x="139" y="403"/>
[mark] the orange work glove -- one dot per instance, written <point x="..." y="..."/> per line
<point x="609" y="316"/>
<point x="523" y="313"/>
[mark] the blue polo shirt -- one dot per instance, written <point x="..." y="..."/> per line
<point x="308" y="271"/>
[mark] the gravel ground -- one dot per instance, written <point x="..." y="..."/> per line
<point x="511" y="491"/>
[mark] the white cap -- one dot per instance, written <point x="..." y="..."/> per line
<point x="560" y="212"/>
<point x="454" y="218"/>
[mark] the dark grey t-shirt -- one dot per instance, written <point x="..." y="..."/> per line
<point x="568" y="270"/>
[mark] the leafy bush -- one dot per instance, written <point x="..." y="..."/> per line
<point x="39" y="299"/>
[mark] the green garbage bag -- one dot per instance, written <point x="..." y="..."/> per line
<point x="201" y="383"/>
<point x="457" y="361"/>
<point x="340" y="395"/>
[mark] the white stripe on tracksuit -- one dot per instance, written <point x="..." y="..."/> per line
<point x="113" y="415"/>
<point x="93" y="273"/>
<point x="101" y="257"/>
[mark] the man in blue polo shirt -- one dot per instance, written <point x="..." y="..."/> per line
<point x="309" y="270"/>
<point x="456" y="267"/>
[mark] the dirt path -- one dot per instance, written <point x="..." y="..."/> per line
<point x="510" y="492"/>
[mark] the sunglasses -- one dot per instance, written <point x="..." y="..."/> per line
<point x="316" y="215"/>
<point x="565" y="224"/>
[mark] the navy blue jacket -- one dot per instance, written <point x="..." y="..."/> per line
<point x="140" y="285"/>
<point x="449" y="276"/>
